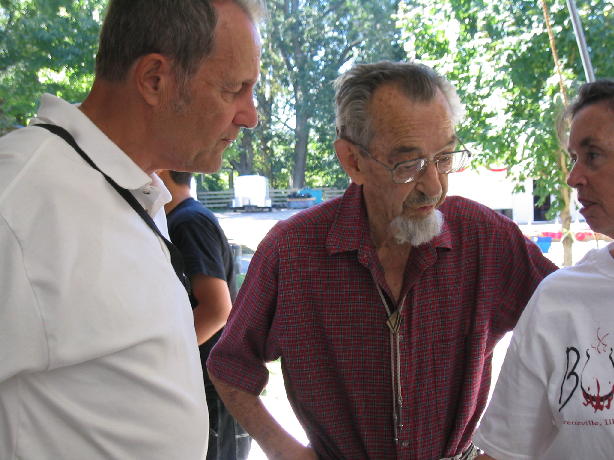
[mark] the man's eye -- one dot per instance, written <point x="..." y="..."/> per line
<point x="407" y="167"/>
<point x="593" y="155"/>
<point x="445" y="158"/>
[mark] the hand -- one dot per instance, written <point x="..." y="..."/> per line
<point x="306" y="453"/>
<point x="484" y="457"/>
<point x="296" y="452"/>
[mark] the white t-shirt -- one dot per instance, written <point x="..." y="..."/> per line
<point x="98" y="354"/>
<point x="554" y="396"/>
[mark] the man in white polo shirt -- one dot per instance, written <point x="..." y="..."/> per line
<point x="98" y="355"/>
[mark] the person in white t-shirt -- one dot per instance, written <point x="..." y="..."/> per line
<point x="554" y="398"/>
<point x="98" y="354"/>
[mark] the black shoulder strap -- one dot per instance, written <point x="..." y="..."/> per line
<point x="176" y="258"/>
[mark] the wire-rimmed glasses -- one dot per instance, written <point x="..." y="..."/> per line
<point x="407" y="171"/>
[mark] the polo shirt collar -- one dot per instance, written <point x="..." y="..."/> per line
<point x="350" y="229"/>
<point x="103" y="151"/>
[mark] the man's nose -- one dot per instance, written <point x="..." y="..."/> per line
<point x="247" y="115"/>
<point x="429" y="181"/>
<point x="576" y="176"/>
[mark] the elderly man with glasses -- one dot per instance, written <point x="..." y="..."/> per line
<point x="385" y="304"/>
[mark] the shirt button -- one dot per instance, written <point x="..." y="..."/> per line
<point x="405" y="444"/>
<point x="147" y="190"/>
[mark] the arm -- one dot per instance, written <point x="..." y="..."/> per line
<point x="518" y="423"/>
<point x="203" y="246"/>
<point x="23" y="338"/>
<point x="521" y="268"/>
<point x="251" y="414"/>
<point x="213" y="308"/>
<point x="484" y="457"/>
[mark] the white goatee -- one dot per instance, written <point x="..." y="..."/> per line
<point x="417" y="231"/>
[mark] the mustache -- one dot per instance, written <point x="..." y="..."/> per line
<point x="421" y="199"/>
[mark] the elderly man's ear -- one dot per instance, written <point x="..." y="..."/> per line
<point x="348" y="155"/>
<point x="154" y="78"/>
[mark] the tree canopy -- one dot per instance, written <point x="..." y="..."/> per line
<point x="499" y="56"/>
<point x="307" y="43"/>
<point x="45" y="46"/>
<point x="496" y="53"/>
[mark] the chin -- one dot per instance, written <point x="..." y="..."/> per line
<point x="603" y="230"/>
<point x="417" y="231"/>
<point x="209" y="163"/>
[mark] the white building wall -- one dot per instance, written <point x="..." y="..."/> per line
<point x="493" y="189"/>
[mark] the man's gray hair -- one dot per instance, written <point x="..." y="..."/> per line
<point x="355" y="88"/>
<point x="182" y="30"/>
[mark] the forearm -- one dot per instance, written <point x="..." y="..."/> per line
<point x="207" y="322"/>
<point x="253" y="416"/>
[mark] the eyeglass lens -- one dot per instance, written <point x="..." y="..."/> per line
<point x="448" y="163"/>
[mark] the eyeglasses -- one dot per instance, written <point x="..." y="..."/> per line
<point x="408" y="171"/>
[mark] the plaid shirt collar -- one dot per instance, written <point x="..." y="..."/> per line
<point x="350" y="230"/>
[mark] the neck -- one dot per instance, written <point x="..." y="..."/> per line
<point x="382" y="235"/>
<point x="381" y="230"/>
<point x="179" y="193"/>
<point x="116" y="112"/>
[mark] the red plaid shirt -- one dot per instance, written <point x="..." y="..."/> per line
<point x="309" y="297"/>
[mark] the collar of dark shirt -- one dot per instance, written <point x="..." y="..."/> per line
<point x="350" y="229"/>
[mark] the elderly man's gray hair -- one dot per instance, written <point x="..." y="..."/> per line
<point x="355" y="88"/>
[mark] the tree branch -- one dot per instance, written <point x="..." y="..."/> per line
<point x="346" y="51"/>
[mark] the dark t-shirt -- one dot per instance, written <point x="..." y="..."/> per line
<point x="198" y="235"/>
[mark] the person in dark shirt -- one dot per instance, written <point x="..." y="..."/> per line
<point x="209" y="264"/>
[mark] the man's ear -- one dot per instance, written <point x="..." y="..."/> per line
<point x="348" y="155"/>
<point x="154" y="78"/>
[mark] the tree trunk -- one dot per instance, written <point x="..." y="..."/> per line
<point x="264" y="131"/>
<point x="300" y="148"/>
<point x="567" y="235"/>
<point x="246" y="161"/>
<point x="565" y="192"/>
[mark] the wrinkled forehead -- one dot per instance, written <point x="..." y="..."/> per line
<point x="396" y="116"/>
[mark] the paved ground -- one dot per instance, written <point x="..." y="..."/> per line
<point x="247" y="229"/>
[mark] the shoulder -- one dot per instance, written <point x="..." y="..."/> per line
<point x="191" y="211"/>
<point x="468" y="219"/>
<point x="39" y="169"/>
<point x="563" y="295"/>
<point x="569" y="282"/>
<point x="309" y="223"/>
<point x="320" y="214"/>
<point x="18" y="148"/>
<point x="474" y="227"/>
<point x="463" y="211"/>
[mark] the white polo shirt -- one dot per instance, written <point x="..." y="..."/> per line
<point x="98" y="355"/>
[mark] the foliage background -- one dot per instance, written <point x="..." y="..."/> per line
<point x="497" y="54"/>
<point x="45" y="46"/>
